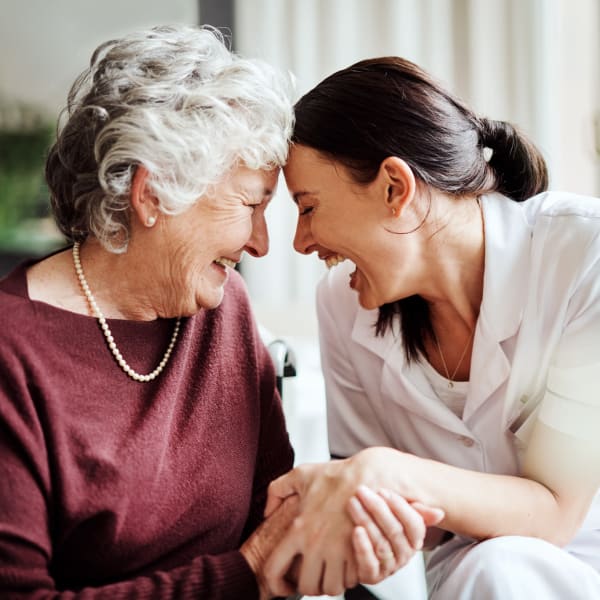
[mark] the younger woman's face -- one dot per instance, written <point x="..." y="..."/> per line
<point x="340" y="219"/>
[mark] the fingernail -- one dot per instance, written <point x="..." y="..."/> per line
<point x="355" y="502"/>
<point x="363" y="489"/>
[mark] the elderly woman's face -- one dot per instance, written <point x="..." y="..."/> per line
<point x="209" y="238"/>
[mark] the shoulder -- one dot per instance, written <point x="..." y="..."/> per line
<point x="559" y="231"/>
<point x="562" y="211"/>
<point x="566" y="229"/>
<point x="236" y="287"/>
<point x="236" y="299"/>
<point x="16" y="309"/>
<point x="337" y="303"/>
<point x="232" y="323"/>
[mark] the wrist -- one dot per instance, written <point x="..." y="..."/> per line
<point x="248" y="551"/>
<point x="393" y="469"/>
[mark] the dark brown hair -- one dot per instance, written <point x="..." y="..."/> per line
<point x="390" y="107"/>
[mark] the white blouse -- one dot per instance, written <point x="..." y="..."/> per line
<point x="536" y="348"/>
<point x="454" y="397"/>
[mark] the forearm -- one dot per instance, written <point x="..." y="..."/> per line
<point x="224" y="576"/>
<point x="477" y="505"/>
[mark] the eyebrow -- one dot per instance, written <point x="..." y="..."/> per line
<point x="296" y="197"/>
<point x="259" y="193"/>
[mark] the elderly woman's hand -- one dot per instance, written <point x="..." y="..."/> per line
<point x="389" y="530"/>
<point x="334" y="554"/>
<point x="261" y="543"/>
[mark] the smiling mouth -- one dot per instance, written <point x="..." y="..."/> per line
<point x="225" y="262"/>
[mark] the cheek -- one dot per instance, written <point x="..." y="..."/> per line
<point x="234" y="225"/>
<point x="322" y="225"/>
<point x="189" y="262"/>
<point x="332" y="228"/>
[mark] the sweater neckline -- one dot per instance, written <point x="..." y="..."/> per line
<point x="15" y="283"/>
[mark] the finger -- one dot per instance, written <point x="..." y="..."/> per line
<point x="390" y="557"/>
<point x="273" y="503"/>
<point x="391" y="530"/>
<point x="414" y="526"/>
<point x="333" y="577"/>
<point x="361" y="517"/>
<point x="357" y="512"/>
<point x="350" y="574"/>
<point x="292" y="574"/>
<point x="379" y="511"/>
<point x="280" y="563"/>
<point x="281" y="488"/>
<point x="310" y="578"/>
<point x="431" y="516"/>
<point x="367" y="564"/>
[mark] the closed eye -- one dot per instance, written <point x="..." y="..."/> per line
<point x="306" y="210"/>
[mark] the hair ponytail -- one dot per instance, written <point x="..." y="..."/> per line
<point x="519" y="169"/>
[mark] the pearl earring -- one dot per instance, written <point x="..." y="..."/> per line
<point x="150" y="221"/>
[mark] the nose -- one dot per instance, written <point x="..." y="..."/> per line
<point x="303" y="240"/>
<point x="258" y="244"/>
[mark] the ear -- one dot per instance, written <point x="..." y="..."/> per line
<point x="399" y="184"/>
<point x="143" y="203"/>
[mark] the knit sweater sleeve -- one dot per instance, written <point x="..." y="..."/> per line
<point x="25" y="527"/>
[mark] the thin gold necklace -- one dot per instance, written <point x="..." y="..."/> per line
<point x="449" y="377"/>
<point x="107" y="332"/>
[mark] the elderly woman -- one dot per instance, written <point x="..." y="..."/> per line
<point x="139" y="430"/>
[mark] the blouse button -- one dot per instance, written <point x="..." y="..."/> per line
<point x="467" y="441"/>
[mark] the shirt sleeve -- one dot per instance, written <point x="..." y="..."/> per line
<point x="572" y="400"/>
<point x="569" y="411"/>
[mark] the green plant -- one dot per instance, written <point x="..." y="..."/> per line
<point x="25" y="136"/>
<point x="21" y="173"/>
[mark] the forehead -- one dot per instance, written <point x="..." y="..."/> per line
<point x="303" y="156"/>
<point x="306" y="164"/>
<point x="255" y="181"/>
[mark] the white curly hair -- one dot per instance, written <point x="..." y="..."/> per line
<point x="176" y="100"/>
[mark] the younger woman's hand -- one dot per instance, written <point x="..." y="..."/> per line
<point x="389" y="531"/>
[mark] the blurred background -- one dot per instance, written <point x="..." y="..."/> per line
<point x="533" y="62"/>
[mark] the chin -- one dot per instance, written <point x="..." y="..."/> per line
<point x="367" y="303"/>
<point x="210" y="302"/>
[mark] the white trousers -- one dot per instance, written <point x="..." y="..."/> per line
<point x="509" y="568"/>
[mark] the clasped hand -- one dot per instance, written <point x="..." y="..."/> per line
<point x="350" y="528"/>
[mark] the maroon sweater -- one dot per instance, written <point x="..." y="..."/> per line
<point x="111" y="488"/>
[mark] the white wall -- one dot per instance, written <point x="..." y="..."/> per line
<point x="45" y="44"/>
<point x="532" y="62"/>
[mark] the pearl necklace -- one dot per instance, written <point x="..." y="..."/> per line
<point x="107" y="332"/>
<point x="449" y="377"/>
